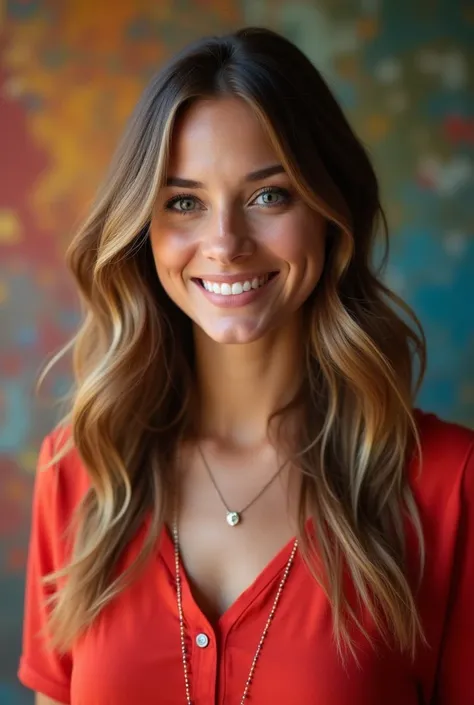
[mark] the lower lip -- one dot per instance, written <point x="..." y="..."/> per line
<point x="235" y="300"/>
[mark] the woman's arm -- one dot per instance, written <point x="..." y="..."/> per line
<point x="41" y="668"/>
<point x="41" y="699"/>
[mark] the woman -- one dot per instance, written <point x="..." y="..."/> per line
<point x="242" y="503"/>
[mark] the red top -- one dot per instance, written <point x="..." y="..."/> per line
<point x="132" y="653"/>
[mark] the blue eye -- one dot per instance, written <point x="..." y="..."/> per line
<point x="284" y="196"/>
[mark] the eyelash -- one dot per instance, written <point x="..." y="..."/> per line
<point x="269" y="189"/>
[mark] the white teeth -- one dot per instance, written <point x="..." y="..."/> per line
<point x="236" y="288"/>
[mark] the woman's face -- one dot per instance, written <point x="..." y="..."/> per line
<point x="234" y="245"/>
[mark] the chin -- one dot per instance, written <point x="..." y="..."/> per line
<point x="233" y="333"/>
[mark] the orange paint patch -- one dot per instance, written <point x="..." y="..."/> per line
<point x="378" y="126"/>
<point x="347" y="67"/>
<point x="45" y="277"/>
<point x="367" y="27"/>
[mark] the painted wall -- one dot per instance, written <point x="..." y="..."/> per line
<point x="70" y="73"/>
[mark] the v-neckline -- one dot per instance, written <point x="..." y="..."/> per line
<point x="243" y="601"/>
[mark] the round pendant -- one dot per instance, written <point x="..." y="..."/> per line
<point x="233" y="518"/>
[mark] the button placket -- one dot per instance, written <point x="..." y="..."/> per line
<point x="205" y="663"/>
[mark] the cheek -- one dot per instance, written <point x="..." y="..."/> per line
<point x="301" y="239"/>
<point x="172" y="252"/>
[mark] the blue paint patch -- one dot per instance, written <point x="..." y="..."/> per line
<point x="438" y="395"/>
<point x="346" y="93"/>
<point x="16" y="422"/>
<point x="7" y="695"/>
<point x="13" y="695"/>
<point x="445" y="103"/>
<point x="61" y="386"/>
<point x="442" y="346"/>
<point x="413" y="251"/>
<point x="25" y="336"/>
<point x="422" y="200"/>
<point x="69" y="320"/>
<point x="23" y="10"/>
<point x="448" y="304"/>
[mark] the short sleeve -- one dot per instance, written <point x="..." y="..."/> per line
<point x="455" y="681"/>
<point x="40" y="668"/>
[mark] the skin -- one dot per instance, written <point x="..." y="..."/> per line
<point x="41" y="699"/>
<point x="247" y="358"/>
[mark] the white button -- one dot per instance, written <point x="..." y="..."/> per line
<point x="202" y="640"/>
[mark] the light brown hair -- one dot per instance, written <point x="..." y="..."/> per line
<point x="133" y="354"/>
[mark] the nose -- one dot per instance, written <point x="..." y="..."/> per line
<point x="227" y="238"/>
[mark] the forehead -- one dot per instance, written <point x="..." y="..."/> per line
<point x="213" y="133"/>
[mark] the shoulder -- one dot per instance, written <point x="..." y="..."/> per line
<point x="446" y="438"/>
<point x="445" y="476"/>
<point x="444" y="444"/>
<point x="68" y="472"/>
<point x="59" y="484"/>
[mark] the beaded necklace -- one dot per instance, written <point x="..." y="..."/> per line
<point x="179" y="600"/>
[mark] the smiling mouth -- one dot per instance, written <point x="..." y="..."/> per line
<point x="236" y="288"/>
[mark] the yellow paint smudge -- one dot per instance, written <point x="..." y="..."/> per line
<point x="378" y="126"/>
<point x="28" y="460"/>
<point x="10" y="227"/>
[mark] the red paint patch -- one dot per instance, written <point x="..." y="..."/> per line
<point x="459" y="129"/>
<point x="11" y="365"/>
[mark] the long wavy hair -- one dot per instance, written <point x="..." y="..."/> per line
<point x="130" y="408"/>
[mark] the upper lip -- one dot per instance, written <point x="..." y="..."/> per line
<point x="232" y="278"/>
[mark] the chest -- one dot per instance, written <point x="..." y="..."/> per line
<point x="134" y="652"/>
<point x="221" y="561"/>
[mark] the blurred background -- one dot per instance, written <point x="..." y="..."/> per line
<point x="70" y="74"/>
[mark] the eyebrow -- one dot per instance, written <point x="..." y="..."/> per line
<point x="253" y="176"/>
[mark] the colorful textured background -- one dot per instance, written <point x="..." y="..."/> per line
<point x="70" y="73"/>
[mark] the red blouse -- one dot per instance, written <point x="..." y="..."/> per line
<point x="132" y="656"/>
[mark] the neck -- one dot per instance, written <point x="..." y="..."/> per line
<point x="239" y="387"/>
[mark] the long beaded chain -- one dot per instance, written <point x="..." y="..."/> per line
<point x="181" y="618"/>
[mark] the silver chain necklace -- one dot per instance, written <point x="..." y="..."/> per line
<point x="182" y="632"/>
<point x="232" y="517"/>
